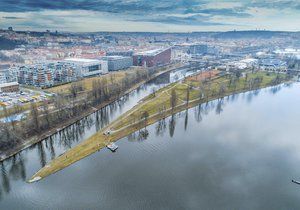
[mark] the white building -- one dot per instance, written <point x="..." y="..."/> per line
<point x="8" y="75"/>
<point x="88" y="67"/>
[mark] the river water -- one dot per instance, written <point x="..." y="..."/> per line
<point x="240" y="152"/>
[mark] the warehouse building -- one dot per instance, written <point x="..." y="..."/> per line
<point x="116" y="63"/>
<point x="9" y="87"/>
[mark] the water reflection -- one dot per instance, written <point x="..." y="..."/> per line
<point x="5" y="180"/>
<point x="53" y="146"/>
<point x="17" y="168"/>
<point x="172" y="125"/>
<point x="142" y="134"/>
<point x="198" y="110"/>
<point x="42" y="153"/>
<point x="220" y="106"/>
<point x="275" y="89"/>
<point x="186" y="119"/>
<point x="160" y="127"/>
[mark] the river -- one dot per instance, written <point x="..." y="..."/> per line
<point x="237" y="153"/>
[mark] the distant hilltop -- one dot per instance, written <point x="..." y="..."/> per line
<point x="7" y="44"/>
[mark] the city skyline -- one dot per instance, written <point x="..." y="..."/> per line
<point x="154" y="16"/>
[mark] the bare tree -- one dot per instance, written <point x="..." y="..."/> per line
<point x="153" y="92"/>
<point x="46" y="113"/>
<point x="144" y="117"/>
<point x="187" y="95"/>
<point x="173" y="99"/>
<point x="34" y="114"/>
<point x="222" y="89"/>
<point x="74" y="89"/>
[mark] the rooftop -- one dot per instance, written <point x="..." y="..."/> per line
<point x="8" y="84"/>
<point x="151" y="52"/>
<point x="113" y="57"/>
<point x="81" y="60"/>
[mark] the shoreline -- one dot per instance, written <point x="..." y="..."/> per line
<point x="36" y="139"/>
<point x="99" y="141"/>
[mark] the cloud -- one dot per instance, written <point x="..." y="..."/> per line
<point x="137" y="10"/>
<point x="276" y="4"/>
<point x="11" y="17"/>
<point x="136" y="7"/>
<point x="197" y="20"/>
<point x="237" y="12"/>
<point x="184" y="13"/>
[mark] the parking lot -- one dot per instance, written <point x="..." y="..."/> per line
<point x="22" y="97"/>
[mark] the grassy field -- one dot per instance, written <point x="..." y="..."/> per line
<point x="153" y="104"/>
<point x="131" y="121"/>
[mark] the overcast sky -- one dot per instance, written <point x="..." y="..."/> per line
<point x="150" y="15"/>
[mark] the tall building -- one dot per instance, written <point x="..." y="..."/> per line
<point x="116" y="63"/>
<point x="152" y="57"/>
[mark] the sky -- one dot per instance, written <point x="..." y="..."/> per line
<point x="150" y="15"/>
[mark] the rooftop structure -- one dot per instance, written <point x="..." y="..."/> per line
<point x="151" y="52"/>
<point x="81" y="60"/>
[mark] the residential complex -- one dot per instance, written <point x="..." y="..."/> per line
<point x="46" y="75"/>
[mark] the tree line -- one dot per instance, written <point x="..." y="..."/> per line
<point x="62" y="107"/>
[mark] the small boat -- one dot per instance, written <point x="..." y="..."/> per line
<point x="112" y="146"/>
<point x="106" y="133"/>
<point x="296" y="182"/>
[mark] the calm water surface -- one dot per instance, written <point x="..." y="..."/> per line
<point x="237" y="153"/>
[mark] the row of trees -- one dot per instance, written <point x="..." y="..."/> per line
<point x="63" y="107"/>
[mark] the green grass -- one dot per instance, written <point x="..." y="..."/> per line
<point x="152" y="104"/>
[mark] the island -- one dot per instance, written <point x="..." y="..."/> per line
<point x="201" y="87"/>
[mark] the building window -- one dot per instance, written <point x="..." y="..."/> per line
<point x="94" y="68"/>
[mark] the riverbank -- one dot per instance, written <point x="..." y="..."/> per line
<point x="90" y="110"/>
<point x="158" y="107"/>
